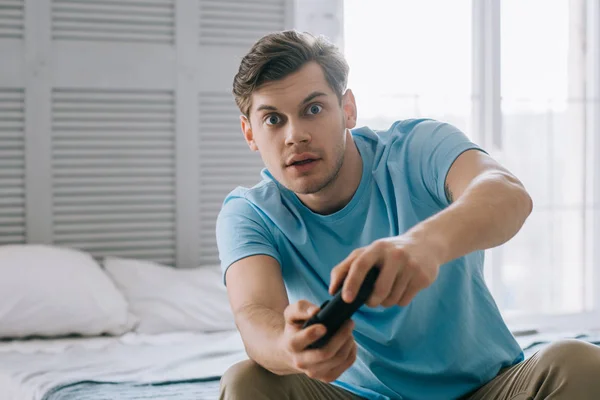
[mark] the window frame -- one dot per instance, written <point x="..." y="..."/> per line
<point x="487" y="131"/>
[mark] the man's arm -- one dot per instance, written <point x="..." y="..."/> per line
<point x="489" y="206"/>
<point x="258" y="299"/>
<point x="272" y="330"/>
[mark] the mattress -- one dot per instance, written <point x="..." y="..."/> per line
<point x="191" y="390"/>
<point x="177" y="366"/>
<point x="537" y="341"/>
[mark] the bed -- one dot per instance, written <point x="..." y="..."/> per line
<point x="536" y="341"/>
<point x="132" y="366"/>
<point x="74" y="327"/>
<point x="176" y="366"/>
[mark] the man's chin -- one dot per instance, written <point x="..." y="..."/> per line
<point x="306" y="187"/>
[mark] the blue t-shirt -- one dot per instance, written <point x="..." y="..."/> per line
<point x="451" y="338"/>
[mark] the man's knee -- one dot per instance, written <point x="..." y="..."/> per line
<point x="570" y="353"/>
<point x="247" y="379"/>
<point x="575" y="361"/>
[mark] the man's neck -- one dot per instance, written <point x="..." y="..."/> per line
<point x="339" y="193"/>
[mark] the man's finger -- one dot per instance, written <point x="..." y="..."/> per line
<point x="398" y="289"/>
<point x="357" y="273"/>
<point x="409" y="294"/>
<point x="388" y="275"/>
<point x="341" y="362"/>
<point x="332" y="347"/>
<point x="299" y="312"/>
<point x="323" y="360"/>
<point x="303" y="338"/>
<point x="349" y="356"/>
<point x="339" y="273"/>
<point x="340" y="338"/>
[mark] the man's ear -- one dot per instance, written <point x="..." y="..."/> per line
<point x="247" y="131"/>
<point x="349" y="106"/>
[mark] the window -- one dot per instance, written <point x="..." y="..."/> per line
<point x="407" y="61"/>
<point x="415" y="59"/>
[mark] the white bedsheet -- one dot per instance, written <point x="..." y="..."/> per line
<point x="28" y="369"/>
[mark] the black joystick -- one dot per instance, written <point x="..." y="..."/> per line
<point x="335" y="312"/>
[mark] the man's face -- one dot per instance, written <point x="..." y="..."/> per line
<point x="299" y="127"/>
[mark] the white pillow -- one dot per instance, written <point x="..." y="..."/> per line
<point x="52" y="291"/>
<point x="167" y="299"/>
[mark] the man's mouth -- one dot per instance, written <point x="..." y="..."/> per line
<point x="301" y="159"/>
<point x="303" y="165"/>
<point x="309" y="160"/>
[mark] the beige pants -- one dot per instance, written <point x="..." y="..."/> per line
<point x="568" y="369"/>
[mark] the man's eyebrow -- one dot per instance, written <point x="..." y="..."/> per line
<point x="312" y="96"/>
<point x="306" y="100"/>
<point x="266" y="107"/>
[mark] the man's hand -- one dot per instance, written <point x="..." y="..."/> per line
<point x="325" y="364"/>
<point x="406" y="265"/>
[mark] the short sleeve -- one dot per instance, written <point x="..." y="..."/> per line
<point x="241" y="233"/>
<point x="432" y="147"/>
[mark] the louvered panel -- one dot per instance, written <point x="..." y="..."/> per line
<point x="151" y="21"/>
<point x="112" y="227"/>
<point x="115" y="209"/>
<point x="113" y="172"/>
<point x="114" y="199"/>
<point x="12" y="166"/>
<point x="224" y="164"/>
<point x="116" y="135"/>
<point x="11" y="19"/>
<point x="239" y="23"/>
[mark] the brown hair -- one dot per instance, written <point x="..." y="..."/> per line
<point x="279" y="54"/>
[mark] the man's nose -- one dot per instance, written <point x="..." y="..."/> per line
<point x="296" y="133"/>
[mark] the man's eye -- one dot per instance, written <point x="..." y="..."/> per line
<point x="273" y="120"/>
<point x="314" y="109"/>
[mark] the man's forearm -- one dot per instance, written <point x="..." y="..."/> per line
<point x="261" y="329"/>
<point x="489" y="212"/>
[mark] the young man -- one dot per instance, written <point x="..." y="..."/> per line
<point x="418" y="201"/>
